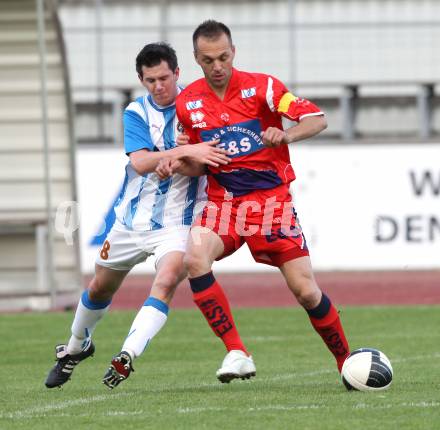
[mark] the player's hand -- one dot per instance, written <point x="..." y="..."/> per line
<point x="166" y="167"/>
<point x="182" y="139"/>
<point x="208" y="153"/>
<point x="273" y="137"/>
<point x="163" y="168"/>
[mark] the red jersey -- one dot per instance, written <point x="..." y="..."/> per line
<point x="252" y="103"/>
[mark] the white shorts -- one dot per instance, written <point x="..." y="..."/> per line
<point x="124" y="248"/>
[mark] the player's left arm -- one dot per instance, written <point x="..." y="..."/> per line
<point x="310" y="119"/>
<point x="307" y="127"/>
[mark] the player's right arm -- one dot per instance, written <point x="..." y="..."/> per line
<point x="167" y="167"/>
<point x="193" y="159"/>
<point x="137" y="140"/>
<point x="145" y="158"/>
<point x="196" y="156"/>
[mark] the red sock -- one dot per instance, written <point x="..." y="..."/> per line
<point x="330" y="329"/>
<point x="215" y="307"/>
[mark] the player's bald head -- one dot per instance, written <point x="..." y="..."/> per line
<point x="211" y="29"/>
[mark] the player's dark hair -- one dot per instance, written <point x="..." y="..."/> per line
<point x="211" y="29"/>
<point x="153" y="54"/>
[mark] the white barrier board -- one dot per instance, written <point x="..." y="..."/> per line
<point x="361" y="207"/>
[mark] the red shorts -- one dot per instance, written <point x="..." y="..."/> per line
<point x="266" y="220"/>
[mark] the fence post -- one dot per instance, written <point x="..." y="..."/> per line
<point x="424" y="105"/>
<point x="347" y="103"/>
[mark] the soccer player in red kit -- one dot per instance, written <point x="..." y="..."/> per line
<point x="248" y="199"/>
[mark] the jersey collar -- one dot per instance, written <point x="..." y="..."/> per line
<point x="163" y="108"/>
<point x="233" y="86"/>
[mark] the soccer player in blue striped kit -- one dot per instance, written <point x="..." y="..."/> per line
<point x="153" y="217"/>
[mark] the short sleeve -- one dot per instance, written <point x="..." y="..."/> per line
<point x="136" y="131"/>
<point x="280" y="99"/>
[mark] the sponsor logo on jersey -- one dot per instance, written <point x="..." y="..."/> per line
<point x="156" y="126"/>
<point x="250" y="92"/>
<point x="196" y="104"/>
<point x="224" y="117"/>
<point x="239" y="139"/>
<point x="200" y="125"/>
<point x="197" y="116"/>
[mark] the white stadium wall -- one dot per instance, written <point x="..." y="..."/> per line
<point x="361" y="207"/>
<point x="385" y="49"/>
<point x="334" y="40"/>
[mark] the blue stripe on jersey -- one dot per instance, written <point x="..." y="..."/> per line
<point x="159" y="204"/>
<point x="104" y="229"/>
<point x="169" y="138"/>
<point x="123" y="190"/>
<point x="132" y="206"/>
<point x="190" y="201"/>
<point x="110" y="218"/>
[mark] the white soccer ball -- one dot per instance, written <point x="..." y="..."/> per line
<point x="367" y="369"/>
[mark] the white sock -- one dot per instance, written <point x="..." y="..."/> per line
<point x="87" y="315"/>
<point x="148" y="322"/>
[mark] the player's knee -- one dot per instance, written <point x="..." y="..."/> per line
<point x="308" y="298"/>
<point x="99" y="290"/>
<point x="196" y="264"/>
<point x="307" y="292"/>
<point x="166" y="282"/>
<point x="191" y="262"/>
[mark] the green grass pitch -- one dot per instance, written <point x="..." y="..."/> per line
<point x="174" y="386"/>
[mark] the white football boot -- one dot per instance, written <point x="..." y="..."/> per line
<point x="235" y="365"/>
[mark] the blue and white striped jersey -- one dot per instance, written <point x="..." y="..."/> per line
<point x="146" y="202"/>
